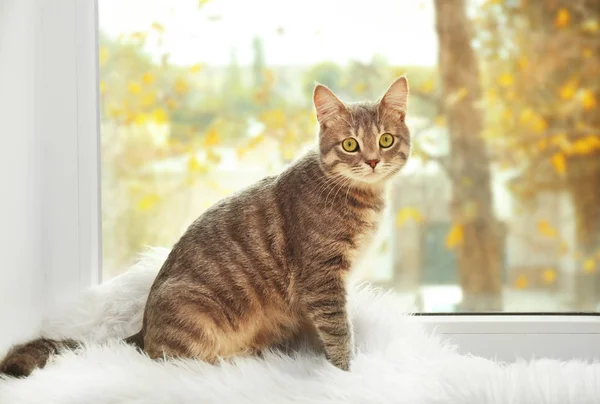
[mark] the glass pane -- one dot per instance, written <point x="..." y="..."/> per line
<point x="498" y="208"/>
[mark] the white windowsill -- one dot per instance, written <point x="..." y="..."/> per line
<point x="512" y="324"/>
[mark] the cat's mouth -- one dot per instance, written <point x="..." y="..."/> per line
<point x="371" y="176"/>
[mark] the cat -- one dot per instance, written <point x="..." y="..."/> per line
<point x="271" y="261"/>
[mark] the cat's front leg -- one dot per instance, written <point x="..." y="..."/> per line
<point x="325" y="306"/>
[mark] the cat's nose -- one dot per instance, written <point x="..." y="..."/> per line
<point x="372" y="163"/>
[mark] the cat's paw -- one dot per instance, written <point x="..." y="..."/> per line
<point x="341" y="362"/>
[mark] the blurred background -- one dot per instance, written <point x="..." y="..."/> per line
<point x="499" y="206"/>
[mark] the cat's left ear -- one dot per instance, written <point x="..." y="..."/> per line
<point x="396" y="97"/>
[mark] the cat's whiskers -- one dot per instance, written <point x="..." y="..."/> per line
<point x="328" y="180"/>
<point x="328" y="183"/>
<point x="341" y="181"/>
<point x="347" y="182"/>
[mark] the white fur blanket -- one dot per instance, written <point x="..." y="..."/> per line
<point x="396" y="362"/>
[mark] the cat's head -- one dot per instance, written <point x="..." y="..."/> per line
<point x="364" y="142"/>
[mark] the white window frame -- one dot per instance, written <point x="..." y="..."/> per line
<point x="68" y="123"/>
<point x="70" y="32"/>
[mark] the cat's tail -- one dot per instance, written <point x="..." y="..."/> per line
<point x="23" y="359"/>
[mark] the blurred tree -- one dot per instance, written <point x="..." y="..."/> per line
<point x="543" y="59"/>
<point x="326" y="73"/>
<point x="258" y="63"/>
<point x="475" y="231"/>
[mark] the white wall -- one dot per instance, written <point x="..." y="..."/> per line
<point x="21" y="276"/>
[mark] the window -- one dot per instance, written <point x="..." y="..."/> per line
<point x="499" y="207"/>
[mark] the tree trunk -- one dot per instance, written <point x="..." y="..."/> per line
<point x="479" y="252"/>
<point x="585" y="193"/>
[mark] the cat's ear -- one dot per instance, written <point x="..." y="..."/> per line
<point x="396" y="97"/>
<point x="328" y="106"/>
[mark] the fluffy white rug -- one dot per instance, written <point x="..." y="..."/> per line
<point x="396" y="362"/>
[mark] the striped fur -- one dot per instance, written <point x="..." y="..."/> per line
<point x="22" y="359"/>
<point x="270" y="262"/>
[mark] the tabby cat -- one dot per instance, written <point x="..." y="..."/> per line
<point x="271" y="261"/>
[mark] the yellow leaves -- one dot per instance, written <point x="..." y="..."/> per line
<point x="588" y="100"/>
<point x="261" y="95"/>
<point x="567" y="91"/>
<point x="273" y="119"/>
<point x="523" y="63"/>
<point x="507" y="115"/>
<point x="136" y="187"/>
<point x="360" y="88"/>
<point x="562" y="19"/>
<point x="545" y="229"/>
<point x="560" y="140"/>
<point x="159" y="116"/>
<point x="455" y="236"/>
<point x="492" y="96"/>
<point x="397" y="72"/>
<point x="505" y="80"/>
<point x="521" y="282"/>
<point x="102" y="87"/>
<point x="115" y="112"/>
<point x="440" y="120"/>
<point x="147" y="203"/>
<point x="526" y="115"/>
<point x="211" y="138"/>
<point x="171" y="104"/>
<point x="137" y="36"/>
<point x="202" y="3"/>
<point x="194" y="165"/>
<point x="587" y="53"/>
<point x="542" y="144"/>
<point x="408" y="213"/>
<point x="535" y="122"/>
<point x="147" y="78"/>
<point x="149" y="99"/>
<point x="140" y="119"/>
<point x="538" y="124"/>
<point x="103" y="55"/>
<point x="589" y="266"/>
<point x="590" y="26"/>
<point x="255" y="141"/>
<point x="549" y="276"/>
<point x="269" y="76"/>
<point x="196" y="68"/>
<point x="134" y="87"/>
<point x="213" y="157"/>
<point x="181" y="86"/>
<point x="129" y="116"/>
<point x="584" y="146"/>
<point x="427" y="86"/>
<point x="288" y="151"/>
<point x="158" y="27"/>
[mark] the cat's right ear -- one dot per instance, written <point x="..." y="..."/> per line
<point x="328" y="106"/>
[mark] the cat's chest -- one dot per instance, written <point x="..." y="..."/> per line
<point x="363" y="235"/>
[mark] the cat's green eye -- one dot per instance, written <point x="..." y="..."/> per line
<point x="350" y="145"/>
<point x="386" y="140"/>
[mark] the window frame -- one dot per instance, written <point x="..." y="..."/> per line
<point x="67" y="122"/>
<point x="502" y="336"/>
